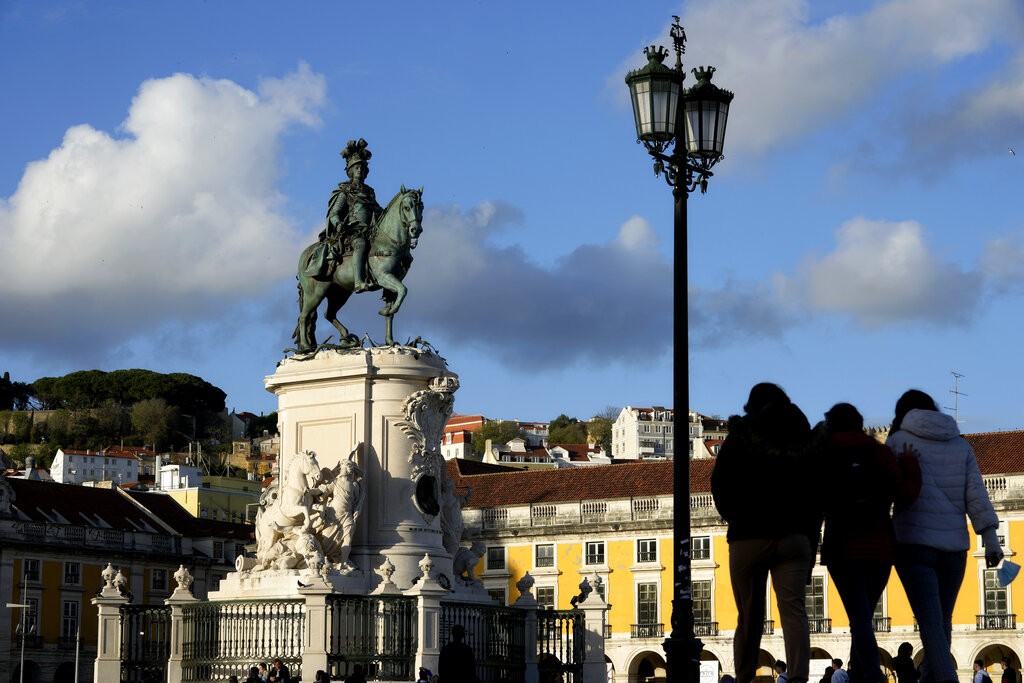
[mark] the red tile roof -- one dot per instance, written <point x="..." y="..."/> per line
<point x="622" y="480"/>
<point x="998" y="452"/>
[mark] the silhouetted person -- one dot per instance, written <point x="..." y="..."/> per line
<point x="457" y="663"/>
<point x="767" y="456"/>
<point x="932" y="541"/>
<point x="1009" y="675"/>
<point x="357" y="675"/>
<point x="903" y="664"/>
<point x="863" y="478"/>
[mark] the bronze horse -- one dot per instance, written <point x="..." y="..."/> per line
<point x="389" y="255"/>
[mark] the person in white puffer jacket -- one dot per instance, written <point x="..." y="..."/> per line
<point x="932" y="541"/>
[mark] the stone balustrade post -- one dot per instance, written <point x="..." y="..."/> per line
<point x="528" y="603"/>
<point x="108" y="644"/>
<point x="428" y="593"/>
<point x="177" y="601"/>
<point x="595" y="612"/>
<point x="314" y="636"/>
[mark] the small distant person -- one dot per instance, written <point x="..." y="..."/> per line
<point x="932" y="540"/>
<point x="780" y="671"/>
<point x="1009" y="674"/>
<point x="264" y="673"/>
<point x="827" y="676"/>
<point x="980" y="675"/>
<point x="839" y="674"/>
<point x="232" y="679"/>
<point x="424" y="675"/>
<point x="726" y="679"/>
<point x="768" y="454"/>
<point x="322" y="677"/>
<point x="903" y="664"/>
<point x="280" y="672"/>
<point x="357" y="675"/>
<point x="254" y="675"/>
<point x="457" y="661"/>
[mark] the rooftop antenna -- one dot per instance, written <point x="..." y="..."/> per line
<point x="956" y="395"/>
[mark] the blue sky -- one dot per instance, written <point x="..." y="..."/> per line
<point x="164" y="163"/>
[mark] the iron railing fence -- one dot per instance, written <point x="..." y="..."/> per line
<point x="145" y="642"/>
<point x="561" y="645"/>
<point x="221" y="639"/>
<point x="376" y="632"/>
<point x="496" y="634"/>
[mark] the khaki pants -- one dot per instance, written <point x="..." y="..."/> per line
<point x="788" y="560"/>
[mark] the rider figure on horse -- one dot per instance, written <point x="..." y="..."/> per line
<point x="351" y="212"/>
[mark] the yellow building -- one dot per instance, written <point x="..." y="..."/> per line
<point x="56" y="539"/>
<point x="615" y="522"/>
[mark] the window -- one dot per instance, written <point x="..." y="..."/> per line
<point x="72" y="573"/>
<point x="495" y="558"/>
<point x="546" y="597"/>
<point x="879" y="608"/>
<point x="497" y="594"/>
<point x="815" y="592"/>
<point x="30" y="613"/>
<point x="218" y="550"/>
<point x="700" y="547"/>
<point x="69" y="621"/>
<point x="995" y="595"/>
<point x="701" y="602"/>
<point x="647" y="550"/>
<point x="595" y="553"/>
<point x="545" y="555"/>
<point x="31" y="570"/>
<point x="647" y="603"/>
<point x="159" y="580"/>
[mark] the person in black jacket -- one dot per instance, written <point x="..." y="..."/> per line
<point x="760" y="484"/>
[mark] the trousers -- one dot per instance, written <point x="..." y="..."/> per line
<point x="788" y="560"/>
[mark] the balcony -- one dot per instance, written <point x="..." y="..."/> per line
<point x="769" y="627"/>
<point x="705" y="628"/>
<point x="997" y="622"/>
<point x="607" y="631"/>
<point x="647" y="631"/>
<point x="820" y="625"/>
<point x="881" y="624"/>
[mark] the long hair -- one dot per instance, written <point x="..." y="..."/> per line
<point x="912" y="399"/>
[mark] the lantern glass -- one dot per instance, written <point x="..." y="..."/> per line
<point x="655" y="103"/>
<point x="705" y="127"/>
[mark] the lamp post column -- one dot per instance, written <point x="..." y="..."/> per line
<point x="682" y="648"/>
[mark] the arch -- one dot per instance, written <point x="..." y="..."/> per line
<point x="647" y="667"/>
<point x="993" y="653"/>
<point x="609" y="666"/>
<point x="33" y="674"/>
<point x="765" y="673"/>
<point x="65" y="673"/>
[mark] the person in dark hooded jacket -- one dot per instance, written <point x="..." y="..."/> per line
<point x="864" y="479"/>
<point x="768" y="452"/>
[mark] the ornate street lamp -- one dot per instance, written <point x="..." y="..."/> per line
<point x="692" y="123"/>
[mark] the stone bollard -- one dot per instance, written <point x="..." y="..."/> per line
<point x="527" y="602"/>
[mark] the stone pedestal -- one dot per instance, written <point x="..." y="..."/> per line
<point x="389" y="406"/>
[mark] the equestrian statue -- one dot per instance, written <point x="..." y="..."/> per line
<point x="363" y="248"/>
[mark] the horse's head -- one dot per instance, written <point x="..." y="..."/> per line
<point x="306" y="463"/>
<point x="410" y="206"/>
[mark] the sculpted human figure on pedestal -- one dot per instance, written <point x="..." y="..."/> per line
<point x="343" y="496"/>
<point x="363" y="247"/>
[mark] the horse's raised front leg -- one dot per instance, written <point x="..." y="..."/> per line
<point x="398" y="290"/>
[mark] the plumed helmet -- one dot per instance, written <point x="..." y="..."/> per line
<point x="355" y="152"/>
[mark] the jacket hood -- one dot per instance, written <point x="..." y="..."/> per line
<point x="931" y="425"/>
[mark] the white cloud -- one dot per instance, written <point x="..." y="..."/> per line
<point x="883" y="272"/>
<point x="793" y="75"/>
<point x="171" y="219"/>
<point x="609" y="302"/>
<point x="1003" y="263"/>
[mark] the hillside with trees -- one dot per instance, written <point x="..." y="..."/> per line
<point x="91" y="409"/>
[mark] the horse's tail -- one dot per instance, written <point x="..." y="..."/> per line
<point x="295" y="334"/>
